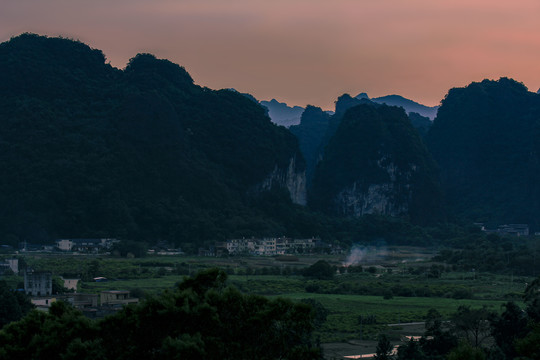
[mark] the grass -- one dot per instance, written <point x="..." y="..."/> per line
<point x="344" y="310"/>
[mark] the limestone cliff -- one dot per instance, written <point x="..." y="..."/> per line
<point x="293" y="178"/>
<point x="376" y="163"/>
<point x="386" y="198"/>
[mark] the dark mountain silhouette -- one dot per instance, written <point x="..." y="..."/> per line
<point x="486" y="141"/>
<point x="421" y="123"/>
<point x="89" y="150"/>
<point x="409" y="105"/>
<point x="310" y="133"/>
<point x="283" y="114"/>
<point x="318" y="127"/>
<point x="376" y="163"/>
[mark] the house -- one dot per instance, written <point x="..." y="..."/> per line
<point x="514" y="229"/>
<point x="43" y="303"/>
<point x="83" y="301"/>
<point x="79" y="301"/>
<point x="37" y="283"/>
<point x="270" y="246"/>
<point x="71" y="284"/>
<point x="11" y="264"/>
<point x="84" y="245"/>
<point x="506" y="229"/>
<point x="116" y="297"/>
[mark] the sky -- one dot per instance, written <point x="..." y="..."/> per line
<point x="305" y="51"/>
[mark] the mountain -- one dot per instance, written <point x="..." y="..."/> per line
<point x="409" y="105"/>
<point x="486" y="141"/>
<point x="283" y="114"/>
<point x="376" y="163"/>
<point x="317" y="128"/>
<point x="310" y="133"/>
<point x="142" y="153"/>
<point x="422" y="124"/>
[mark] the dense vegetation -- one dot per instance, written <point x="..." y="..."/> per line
<point x="476" y="334"/>
<point x="89" y="150"/>
<point x="493" y="253"/>
<point x="201" y="319"/>
<point x="341" y="308"/>
<point x="13" y="304"/>
<point x="485" y="140"/>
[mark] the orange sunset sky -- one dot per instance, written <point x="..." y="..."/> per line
<point x="305" y="51"/>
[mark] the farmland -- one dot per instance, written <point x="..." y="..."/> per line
<point x="396" y="286"/>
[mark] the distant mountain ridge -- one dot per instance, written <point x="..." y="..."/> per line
<point x="408" y="105"/>
<point x="283" y="114"/>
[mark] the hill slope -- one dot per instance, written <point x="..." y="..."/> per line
<point x="90" y="150"/>
<point x="375" y="163"/>
<point x="486" y="141"/>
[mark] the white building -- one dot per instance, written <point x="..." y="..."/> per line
<point x="84" y="245"/>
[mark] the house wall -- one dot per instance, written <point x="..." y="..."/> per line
<point x="71" y="284"/>
<point x="64" y="245"/>
<point x="38" y="284"/>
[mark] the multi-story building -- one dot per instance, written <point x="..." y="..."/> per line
<point x="37" y="283"/>
<point x="84" y="245"/>
<point x="117" y="297"/>
<point x="271" y="246"/>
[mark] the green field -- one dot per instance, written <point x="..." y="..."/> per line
<point x="396" y="291"/>
<point x="344" y="310"/>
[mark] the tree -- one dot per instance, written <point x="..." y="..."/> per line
<point x="528" y="346"/>
<point x="473" y="324"/>
<point x="532" y="299"/>
<point x="384" y="349"/>
<point x="436" y="342"/>
<point x="61" y="331"/>
<point x="410" y="351"/>
<point x="508" y="327"/>
<point x="131" y="248"/>
<point x="466" y="351"/>
<point x="202" y="318"/>
<point x="13" y="305"/>
<point x="58" y="286"/>
<point x="321" y="270"/>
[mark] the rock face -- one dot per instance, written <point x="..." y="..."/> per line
<point x="293" y="179"/>
<point x="388" y="198"/>
<point x="376" y="163"/>
<point x="310" y="134"/>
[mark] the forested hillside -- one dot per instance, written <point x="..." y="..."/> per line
<point x="486" y="142"/>
<point x="143" y="153"/>
<point x="90" y="150"/>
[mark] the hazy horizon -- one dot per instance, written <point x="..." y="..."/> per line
<point x="305" y="52"/>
